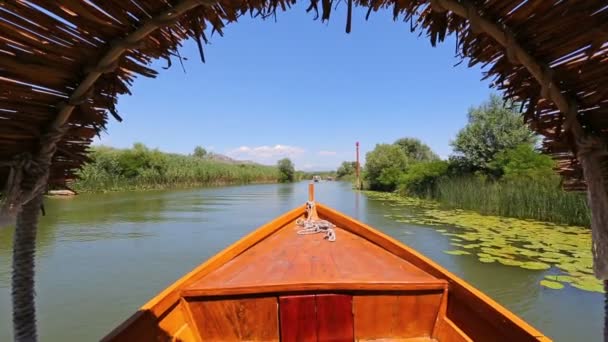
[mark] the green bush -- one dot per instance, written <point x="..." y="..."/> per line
<point x="523" y="162"/>
<point x="287" y="171"/>
<point x="346" y="169"/>
<point x="420" y="179"/>
<point x="384" y="165"/>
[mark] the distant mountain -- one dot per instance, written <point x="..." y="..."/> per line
<point x="225" y="159"/>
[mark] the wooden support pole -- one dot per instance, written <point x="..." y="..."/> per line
<point x="35" y="182"/>
<point x="358" y="169"/>
<point x="311" y="192"/>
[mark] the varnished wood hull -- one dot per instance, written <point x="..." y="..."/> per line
<point x="276" y="285"/>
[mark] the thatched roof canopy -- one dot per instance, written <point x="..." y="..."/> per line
<point x="68" y="60"/>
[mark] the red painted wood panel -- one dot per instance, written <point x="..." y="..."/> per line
<point x="297" y="318"/>
<point x="335" y="318"/>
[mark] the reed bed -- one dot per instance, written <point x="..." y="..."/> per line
<point x="543" y="201"/>
<point x="140" y="168"/>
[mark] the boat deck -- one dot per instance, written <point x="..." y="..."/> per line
<point x="286" y="260"/>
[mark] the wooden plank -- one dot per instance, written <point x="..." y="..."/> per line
<point x="139" y="327"/>
<point x="173" y="321"/>
<point x="248" y="319"/>
<point x="314" y="286"/>
<point x="298" y="318"/>
<point x="406" y="315"/>
<point x="286" y="261"/>
<point x="449" y="332"/>
<point x="334" y="318"/>
<point x="185" y="334"/>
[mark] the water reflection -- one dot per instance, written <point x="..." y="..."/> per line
<point x="285" y="191"/>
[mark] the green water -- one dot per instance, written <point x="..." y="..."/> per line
<point x="102" y="256"/>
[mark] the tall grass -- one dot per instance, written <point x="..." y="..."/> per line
<point x="141" y="168"/>
<point x="543" y="201"/>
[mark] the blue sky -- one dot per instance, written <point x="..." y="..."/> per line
<point x="303" y="89"/>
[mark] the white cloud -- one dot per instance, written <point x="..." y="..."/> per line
<point x="326" y="153"/>
<point x="265" y="152"/>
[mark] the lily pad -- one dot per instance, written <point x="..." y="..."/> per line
<point x="471" y="245"/>
<point x="509" y="262"/>
<point x="535" y="265"/>
<point x="551" y="260"/>
<point x="592" y="285"/>
<point x="456" y="252"/>
<point x="552" y="284"/>
<point x="487" y="260"/>
<point x="561" y="278"/>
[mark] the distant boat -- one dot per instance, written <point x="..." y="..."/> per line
<point x="316" y="179"/>
<point x="329" y="178"/>
<point x="350" y="282"/>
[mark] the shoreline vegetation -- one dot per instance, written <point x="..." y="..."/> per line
<point x="141" y="168"/>
<point x="496" y="169"/>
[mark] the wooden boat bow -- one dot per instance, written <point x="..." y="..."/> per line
<point x="277" y="285"/>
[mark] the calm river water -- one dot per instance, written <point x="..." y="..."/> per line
<point x="102" y="256"/>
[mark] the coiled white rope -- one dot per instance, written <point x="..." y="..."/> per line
<point x="311" y="225"/>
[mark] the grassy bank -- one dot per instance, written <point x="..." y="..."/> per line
<point x="140" y="168"/>
<point x="542" y="201"/>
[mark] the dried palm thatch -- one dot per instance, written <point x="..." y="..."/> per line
<point x="69" y="60"/>
<point x="64" y="62"/>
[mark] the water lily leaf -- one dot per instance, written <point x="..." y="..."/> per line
<point x="552" y="284"/>
<point x="456" y="252"/>
<point x="509" y="262"/>
<point x="487" y="260"/>
<point x="551" y="260"/>
<point x="589" y="285"/>
<point x="561" y="278"/>
<point x="530" y="253"/>
<point x="535" y="265"/>
<point x="471" y="245"/>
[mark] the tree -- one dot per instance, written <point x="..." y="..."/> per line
<point x="200" y="152"/>
<point x="524" y="163"/>
<point x="347" y="168"/>
<point x="287" y="171"/>
<point x="416" y="150"/>
<point x="492" y="128"/>
<point x="421" y="178"/>
<point x="384" y="165"/>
